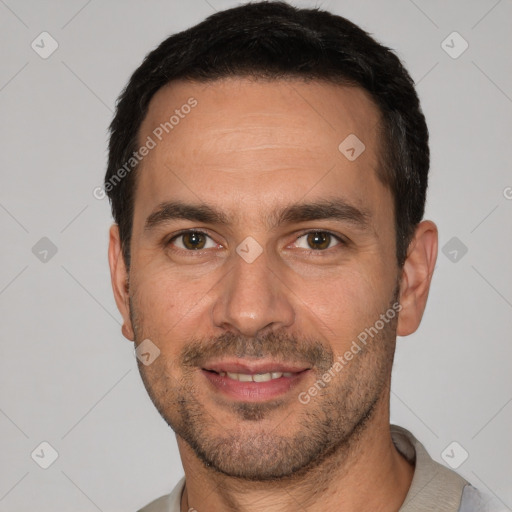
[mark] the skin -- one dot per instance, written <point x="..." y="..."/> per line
<point x="249" y="147"/>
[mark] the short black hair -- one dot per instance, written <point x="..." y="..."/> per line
<point x="276" y="41"/>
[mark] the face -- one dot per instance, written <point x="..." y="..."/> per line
<point x="260" y="254"/>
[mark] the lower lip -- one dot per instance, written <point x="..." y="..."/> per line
<point x="254" y="391"/>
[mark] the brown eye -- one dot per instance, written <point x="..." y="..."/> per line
<point x="318" y="240"/>
<point x="191" y="241"/>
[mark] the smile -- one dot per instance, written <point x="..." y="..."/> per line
<point x="255" y="386"/>
<point x="256" y="377"/>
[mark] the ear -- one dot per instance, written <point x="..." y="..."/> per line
<point x="119" y="278"/>
<point x="416" y="277"/>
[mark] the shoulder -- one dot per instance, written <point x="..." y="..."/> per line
<point x="167" y="503"/>
<point x="474" y="500"/>
<point x="435" y="484"/>
<point x="432" y="482"/>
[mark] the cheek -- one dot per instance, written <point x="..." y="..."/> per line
<point x="169" y="307"/>
<point x="343" y="305"/>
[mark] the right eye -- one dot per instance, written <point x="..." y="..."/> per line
<point x="192" y="240"/>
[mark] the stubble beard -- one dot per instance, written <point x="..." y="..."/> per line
<point x="327" y="427"/>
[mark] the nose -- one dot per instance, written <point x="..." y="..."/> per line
<point x="252" y="299"/>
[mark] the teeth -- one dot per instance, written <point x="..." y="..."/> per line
<point x="264" y="377"/>
<point x="257" y="377"/>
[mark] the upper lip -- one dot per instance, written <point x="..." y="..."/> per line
<point x="254" y="367"/>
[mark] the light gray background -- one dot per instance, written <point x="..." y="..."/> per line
<point x="69" y="377"/>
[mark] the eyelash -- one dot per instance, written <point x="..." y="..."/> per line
<point x="200" y="252"/>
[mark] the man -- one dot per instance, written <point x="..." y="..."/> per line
<point x="267" y="173"/>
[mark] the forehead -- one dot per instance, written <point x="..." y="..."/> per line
<point x="264" y="140"/>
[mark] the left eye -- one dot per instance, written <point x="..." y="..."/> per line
<point x="318" y="240"/>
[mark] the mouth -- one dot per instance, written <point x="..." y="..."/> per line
<point x="254" y="377"/>
<point x="253" y="382"/>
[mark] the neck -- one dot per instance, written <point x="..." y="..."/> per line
<point x="367" y="473"/>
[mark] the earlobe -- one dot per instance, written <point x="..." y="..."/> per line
<point x="416" y="277"/>
<point x="119" y="279"/>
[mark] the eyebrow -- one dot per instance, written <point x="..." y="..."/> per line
<point x="326" y="209"/>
